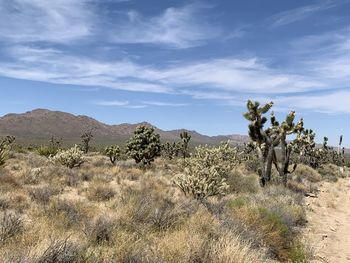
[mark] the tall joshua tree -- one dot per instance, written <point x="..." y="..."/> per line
<point x="185" y="139"/>
<point x="266" y="140"/>
<point x="86" y="138"/>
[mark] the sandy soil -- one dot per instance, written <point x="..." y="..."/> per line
<point x="329" y="222"/>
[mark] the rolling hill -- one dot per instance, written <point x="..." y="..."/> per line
<point x="37" y="127"/>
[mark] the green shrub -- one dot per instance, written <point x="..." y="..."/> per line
<point x="50" y="150"/>
<point x="47" y="151"/>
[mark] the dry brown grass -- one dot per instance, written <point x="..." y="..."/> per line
<point x="124" y="213"/>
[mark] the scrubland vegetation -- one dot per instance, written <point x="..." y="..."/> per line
<point x="154" y="202"/>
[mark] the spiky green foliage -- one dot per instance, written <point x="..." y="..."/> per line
<point x="4" y="147"/>
<point x="51" y="149"/>
<point x="206" y="171"/>
<point x="185" y="139"/>
<point x="305" y="150"/>
<point x="86" y="138"/>
<point x="71" y="158"/>
<point x="113" y="152"/>
<point x="266" y="140"/>
<point x="170" y="150"/>
<point x="330" y="155"/>
<point x="144" y="146"/>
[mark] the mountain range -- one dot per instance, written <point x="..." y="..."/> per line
<point x="37" y="126"/>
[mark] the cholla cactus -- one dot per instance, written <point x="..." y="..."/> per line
<point x="206" y="172"/>
<point x="71" y="158"/>
<point x="113" y="152"/>
<point x="4" y="145"/>
<point x="144" y="146"/>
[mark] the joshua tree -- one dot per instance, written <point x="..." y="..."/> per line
<point x="185" y="139"/>
<point x="169" y="150"/>
<point x="113" y="152"/>
<point x="144" y="146"/>
<point x="267" y="140"/>
<point x="86" y="138"/>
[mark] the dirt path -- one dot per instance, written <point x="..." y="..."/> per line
<point x="329" y="222"/>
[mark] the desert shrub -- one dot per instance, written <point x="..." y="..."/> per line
<point x="299" y="253"/>
<point x="8" y="182"/>
<point x="70" y="158"/>
<point x="18" y="148"/>
<point x="241" y="183"/>
<point x="159" y="215"/>
<point x="144" y="146"/>
<point x="42" y="194"/>
<point x="100" y="230"/>
<point x="221" y="245"/>
<point x="274" y="215"/>
<point x="299" y="186"/>
<point x="330" y="172"/>
<point x="61" y="251"/>
<point x="308" y="173"/>
<point x="51" y="149"/>
<point x="146" y="210"/>
<point x="87" y="176"/>
<point x="47" y="151"/>
<point x="113" y="152"/>
<point x="72" y="179"/>
<point x="100" y="192"/>
<point x="10" y="225"/>
<point x="4" y="202"/>
<point x="72" y="212"/>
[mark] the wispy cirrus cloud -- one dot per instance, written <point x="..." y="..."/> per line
<point x="40" y="20"/>
<point x="229" y="74"/>
<point x="329" y="102"/>
<point x="112" y="103"/>
<point x="176" y="27"/>
<point x="164" y="104"/>
<point x="297" y="14"/>
<point x="138" y="105"/>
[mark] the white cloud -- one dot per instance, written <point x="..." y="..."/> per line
<point x="243" y="75"/>
<point x="229" y="75"/>
<point x="301" y="13"/>
<point x="176" y="27"/>
<point x="55" y="67"/>
<point x="334" y="102"/>
<point x="41" y="20"/>
<point x="112" y="103"/>
<point x="164" y="104"/>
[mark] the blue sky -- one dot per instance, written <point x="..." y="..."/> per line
<point x="178" y="64"/>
